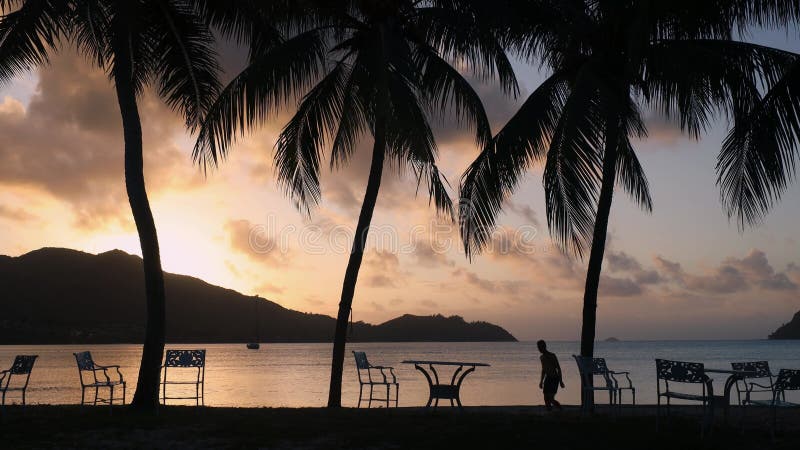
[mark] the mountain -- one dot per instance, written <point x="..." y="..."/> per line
<point x="58" y="296"/>
<point x="789" y="330"/>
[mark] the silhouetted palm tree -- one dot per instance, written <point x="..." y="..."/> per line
<point x="164" y="42"/>
<point x="375" y="66"/>
<point x="607" y="58"/>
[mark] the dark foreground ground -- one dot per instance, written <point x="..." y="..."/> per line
<point x="312" y="428"/>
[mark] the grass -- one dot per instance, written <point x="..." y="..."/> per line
<point x="310" y="428"/>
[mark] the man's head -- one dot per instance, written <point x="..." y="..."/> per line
<point x="542" y="345"/>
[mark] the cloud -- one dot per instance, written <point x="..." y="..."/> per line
<point x="254" y="242"/>
<point x="68" y="143"/>
<point x="731" y="276"/>
<point x="621" y="262"/>
<point x="428" y="303"/>
<point x="381" y="269"/>
<point x="16" y="214"/>
<point x="512" y="289"/>
<point x="525" y="211"/>
<point x="429" y="255"/>
<point x="618" y="287"/>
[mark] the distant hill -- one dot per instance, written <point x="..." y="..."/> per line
<point x="55" y="295"/>
<point x="789" y="330"/>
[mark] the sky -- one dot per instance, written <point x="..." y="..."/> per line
<point x="683" y="272"/>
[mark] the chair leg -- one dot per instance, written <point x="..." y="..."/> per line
<point x="369" y="405"/>
<point x="658" y="412"/>
<point x="4" y="398"/>
<point x="396" y="395"/>
<point x="111" y="395"/>
<point x="96" y="390"/>
<point x="360" y="394"/>
<point x="123" y="393"/>
<point x="388" y="394"/>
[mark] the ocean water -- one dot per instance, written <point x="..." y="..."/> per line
<point x="297" y="375"/>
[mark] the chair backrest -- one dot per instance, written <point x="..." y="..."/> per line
<point x="760" y="369"/>
<point x="788" y="380"/>
<point x="680" y="371"/>
<point x="589" y="367"/>
<point x="185" y="358"/>
<point x="594" y="366"/>
<point x="361" y="360"/>
<point x="84" y="360"/>
<point x="23" y="364"/>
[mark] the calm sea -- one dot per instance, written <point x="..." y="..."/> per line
<point x="296" y="375"/>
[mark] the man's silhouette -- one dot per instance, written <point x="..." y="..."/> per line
<point x="551" y="376"/>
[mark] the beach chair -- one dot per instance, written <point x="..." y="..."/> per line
<point x="20" y="370"/>
<point x="180" y="362"/>
<point x="382" y="378"/>
<point x="761" y="372"/>
<point x="589" y="369"/>
<point x="685" y="373"/>
<point x="88" y="374"/>
<point x="787" y="380"/>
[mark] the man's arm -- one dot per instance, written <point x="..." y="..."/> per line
<point x="541" y="375"/>
<point x="558" y="368"/>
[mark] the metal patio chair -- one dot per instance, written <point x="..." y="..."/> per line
<point x="684" y="373"/>
<point x="760" y="371"/>
<point x="382" y="378"/>
<point x="589" y="368"/>
<point x="192" y="361"/>
<point x="86" y="366"/>
<point x="20" y="369"/>
<point x="787" y="380"/>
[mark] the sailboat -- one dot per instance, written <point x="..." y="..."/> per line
<point x="255" y="345"/>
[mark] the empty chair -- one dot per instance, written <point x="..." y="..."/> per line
<point x="589" y="368"/>
<point x="88" y="374"/>
<point x="381" y="378"/>
<point x="787" y="380"/>
<point x="20" y="370"/>
<point x="684" y="373"/>
<point x="187" y="367"/>
<point x="761" y="372"/>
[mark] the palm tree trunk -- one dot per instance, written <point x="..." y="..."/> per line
<point x="354" y="264"/>
<point x="146" y="396"/>
<point x="599" y="243"/>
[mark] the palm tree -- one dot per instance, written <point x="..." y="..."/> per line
<point x="608" y="58"/>
<point x="377" y="67"/>
<point x="164" y="42"/>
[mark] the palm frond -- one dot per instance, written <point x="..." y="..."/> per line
<point x="463" y="36"/>
<point x="758" y="157"/>
<point x="410" y="140"/>
<point x="299" y="146"/>
<point x="449" y="91"/>
<point x="719" y="70"/>
<point x="494" y="174"/>
<point x="631" y="176"/>
<point x="258" y="91"/>
<point x="187" y="68"/>
<point x="573" y="171"/>
<point x="28" y="31"/>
